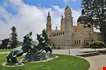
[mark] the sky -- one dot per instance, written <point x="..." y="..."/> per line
<point x="30" y="15"/>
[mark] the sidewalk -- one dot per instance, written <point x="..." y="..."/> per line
<point x="97" y="62"/>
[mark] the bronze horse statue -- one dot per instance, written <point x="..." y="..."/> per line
<point x="19" y="51"/>
<point x="25" y="48"/>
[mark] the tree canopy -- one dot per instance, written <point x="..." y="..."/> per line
<point x="96" y="10"/>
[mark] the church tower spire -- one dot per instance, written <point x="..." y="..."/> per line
<point x="49" y="25"/>
<point x="62" y="24"/>
<point x="68" y="12"/>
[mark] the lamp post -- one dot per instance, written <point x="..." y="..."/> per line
<point x="68" y="46"/>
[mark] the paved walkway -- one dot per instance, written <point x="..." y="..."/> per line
<point x="74" y="51"/>
<point x="97" y="62"/>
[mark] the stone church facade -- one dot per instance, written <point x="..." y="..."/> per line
<point x="70" y="36"/>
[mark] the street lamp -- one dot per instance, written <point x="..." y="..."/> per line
<point x="68" y="46"/>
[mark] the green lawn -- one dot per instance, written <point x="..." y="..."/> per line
<point x="64" y="62"/>
<point x="4" y="50"/>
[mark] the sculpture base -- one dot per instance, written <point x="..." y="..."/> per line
<point x="32" y="61"/>
<point x="12" y="65"/>
<point x="38" y="57"/>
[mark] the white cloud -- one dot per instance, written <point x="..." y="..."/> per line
<point x="76" y="14"/>
<point x="30" y="18"/>
<point x="4" y="25"/>
<point x="75" y="0"/>
<point x="68" y="1"/>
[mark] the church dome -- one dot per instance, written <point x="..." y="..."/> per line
<point x="83" y="18"/>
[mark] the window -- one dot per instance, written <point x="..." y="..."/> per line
<point x="75" y="42"/>
<point x="79" y="41"/>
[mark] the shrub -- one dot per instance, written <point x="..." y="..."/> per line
<point x="97" y="44"/>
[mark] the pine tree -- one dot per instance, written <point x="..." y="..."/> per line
<point x="14" y="41"/>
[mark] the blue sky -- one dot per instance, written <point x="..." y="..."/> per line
<point x="50" y="3"/>
<point x="30" y="15"/>
<point x="11" y="8"/>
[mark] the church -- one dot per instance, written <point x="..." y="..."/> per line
<point x="70" y="36"/>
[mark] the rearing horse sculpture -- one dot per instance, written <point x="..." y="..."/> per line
<point x="19" y="51"/>
<point x="43" y="45"/>
<point x="26" y="48"/>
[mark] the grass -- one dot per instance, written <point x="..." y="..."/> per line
<point x="4" y="50"/>
<point x="64" y="62"/>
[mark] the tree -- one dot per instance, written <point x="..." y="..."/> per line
<point x="14" y="41"/>
<point x="4" y="44"/>
<point x="96" y="10"/>
<point x="97" y="44"/>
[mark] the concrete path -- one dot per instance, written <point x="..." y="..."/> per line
<point x="97" y="62"/>
<point x="74" y="51"/>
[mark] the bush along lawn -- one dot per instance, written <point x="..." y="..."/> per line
<point x="63" y="62"/>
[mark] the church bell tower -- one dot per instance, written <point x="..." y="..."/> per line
<point x="68" y="21"/>
<point x="48" y="25"/>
